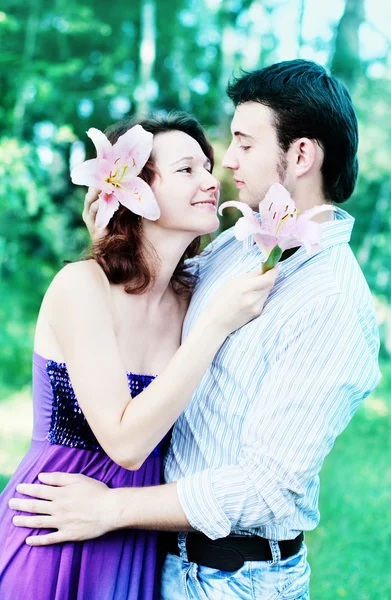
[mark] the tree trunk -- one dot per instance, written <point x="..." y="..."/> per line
<point x="346" y="63"/>
<point x="182" y="77"/>
<point x="300" y="39"/>
<point x="22" y="94"/>
<point x="226" y="19"/>
<point x="147" y="55"/>
<point x="378" y="216"/>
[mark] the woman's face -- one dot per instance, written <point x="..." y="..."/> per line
<point x="185" y="189"/>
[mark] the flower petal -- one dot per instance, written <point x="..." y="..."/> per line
<point x="295" y="225"/>
<point x="287" y="242"/>
<point x="258" y="240"/>
<point x="266" y="241"/>
<point x="139" y="198"/>
<point x="276" y="203"/>
<point x="102" y="145"/>
<point x="244" y="208"/>
<point x="134" y="148"/>
<point x="312" y="212"/>
<point x="91" y="172"/>
<point x="108" y="204"/>
<point x="244" y="228"/>
<point x="307" y="234"/>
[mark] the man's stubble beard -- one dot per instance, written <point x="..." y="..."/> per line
<point x="281" y="168"/>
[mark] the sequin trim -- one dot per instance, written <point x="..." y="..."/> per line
<point x="69" y="427"/>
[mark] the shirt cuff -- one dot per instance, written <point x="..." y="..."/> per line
<point x="199" y="503"/>
<point x="218" y="501"/>
<point x="249" y="495"/>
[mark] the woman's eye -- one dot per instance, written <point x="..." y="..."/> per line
<point x="185" y="170"/>
<point x="245" y="148"/>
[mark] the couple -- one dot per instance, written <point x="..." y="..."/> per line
<point x="270" y="371"/>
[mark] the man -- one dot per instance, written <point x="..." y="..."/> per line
<point x="243" y="465"/>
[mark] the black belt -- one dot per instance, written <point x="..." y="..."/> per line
<point x="230" y="553"/>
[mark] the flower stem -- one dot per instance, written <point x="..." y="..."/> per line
<point x="272" y="259"/>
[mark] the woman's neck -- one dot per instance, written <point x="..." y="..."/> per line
<point x="168" y="249"/>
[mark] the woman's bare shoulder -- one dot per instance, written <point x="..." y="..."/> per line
<point x="80" y="275"/>
<point x="76" y="283"/>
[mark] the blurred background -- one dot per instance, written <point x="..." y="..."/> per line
<point x="67" y="65"/>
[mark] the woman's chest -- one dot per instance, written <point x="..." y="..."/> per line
<point x="148" y="341"/>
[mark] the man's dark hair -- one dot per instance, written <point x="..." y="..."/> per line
<point x="307" y="102"/>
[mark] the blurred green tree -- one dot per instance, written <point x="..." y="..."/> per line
<point x="67" y="66"/>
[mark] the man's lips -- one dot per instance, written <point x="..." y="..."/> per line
<point x="238" y="182"/>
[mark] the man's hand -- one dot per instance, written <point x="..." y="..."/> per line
<point x="90" y="210"/>
<point x="79" y="508"/>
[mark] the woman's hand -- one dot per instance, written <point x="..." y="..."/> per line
<point x="241" y="300"/>
<point x="91" y="205"/>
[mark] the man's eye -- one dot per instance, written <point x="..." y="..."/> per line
<point x="185" y="170"/>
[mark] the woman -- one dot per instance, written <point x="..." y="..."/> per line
<point x="107" y="326"/>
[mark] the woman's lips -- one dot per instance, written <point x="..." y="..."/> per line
<point x="207" y="203"/>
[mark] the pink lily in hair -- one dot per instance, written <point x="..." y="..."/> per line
<point x="115" y="172"/>
<point x="281" y="226"/>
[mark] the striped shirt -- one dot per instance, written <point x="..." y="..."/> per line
<point x="247" y="450"/>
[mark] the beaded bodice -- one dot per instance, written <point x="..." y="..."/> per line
<point x="69" y="427"/>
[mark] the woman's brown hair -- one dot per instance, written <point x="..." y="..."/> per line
<point x="122" y="253"/>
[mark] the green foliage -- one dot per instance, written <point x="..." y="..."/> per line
<point x="349" y="551"/>
<point x="371" y="202"/>
<point x="37" y="231"/>
<point x="66" y="66"/>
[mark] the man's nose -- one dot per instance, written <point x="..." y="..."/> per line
<point x="229" y="160"/>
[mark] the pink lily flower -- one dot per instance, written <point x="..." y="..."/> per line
<point x="115" y="172"/>
<point x="280" y="226"/>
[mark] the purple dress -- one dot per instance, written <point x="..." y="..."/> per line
<point x="117" y="566"/>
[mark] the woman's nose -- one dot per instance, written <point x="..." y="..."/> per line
<point x="211" y="182"/>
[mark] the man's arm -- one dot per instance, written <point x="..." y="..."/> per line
<point x="325" y="364"/>
<point x="308" y="395"/>
<point x="82" y="508"/>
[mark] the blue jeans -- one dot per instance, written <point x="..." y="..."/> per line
<point x="286" y="579"/>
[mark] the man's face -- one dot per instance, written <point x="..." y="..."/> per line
<point x="254" y="156"/>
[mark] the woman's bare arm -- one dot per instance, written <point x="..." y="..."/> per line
<point x="130" y="428"/>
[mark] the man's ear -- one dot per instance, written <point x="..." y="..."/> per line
<point x="306" y="154"/>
